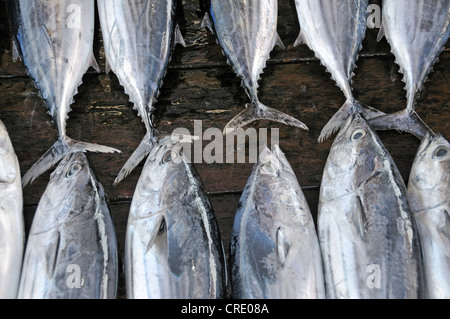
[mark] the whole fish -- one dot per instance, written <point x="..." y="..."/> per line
<point x="55" y="41"/>
<point x="173" y="248"/>
<point x="429" y="197"/>
<point x="71" y="251"/>
<point x="246" y="30"/>
<point x="366" y="229"/>
<point x="334" y="30"/>
<point x="139" y="37"/>
<point x="12" y="231"/>
<point x="417" y="32"/>
<point x="274" y="250"/>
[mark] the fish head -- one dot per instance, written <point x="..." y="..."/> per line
<point x="357" y="153"/>
<point x="164" y="174"/>
<point x="8" y="168"/>
<point x="275" y="183"/>
<point x="70" y="192"/>
<point x="431" y="167"/>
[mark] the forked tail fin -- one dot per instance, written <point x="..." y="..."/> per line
<point x="138" y="155"/>
<point x="406" y="120"/>
<point x="60" y="149"/>
<point x="340" y="118"/>
<point x="257" y="111"/>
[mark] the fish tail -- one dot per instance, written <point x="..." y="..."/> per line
<point x="257" y="111"/>
<point x="58" y="151"/>
<point x="406" y="120"/>
<point x="138" y="155"/>
<point x="340" y="118"/>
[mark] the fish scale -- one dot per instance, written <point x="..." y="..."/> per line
<point x="55" y="42"/>
<point x="334" y="30"/>
<point x="139" y="37"/>
<point x="417" y="32"/>
<point x="428" y="190"/>
<point x="71" y="250"/>
<point x="246" y="32"/>
<point x="12" y="228"/>
<point x="274" y="249"/>
<point x="366" y="228"/>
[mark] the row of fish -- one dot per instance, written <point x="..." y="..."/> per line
<point x="367" y="244"/>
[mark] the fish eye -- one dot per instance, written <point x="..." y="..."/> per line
<point x="358" y="134"/>
<point x="169" y="156"/>
<point x="440" y="152"/>
<point x="75" y="168"/>
<point x="269" y="168"/>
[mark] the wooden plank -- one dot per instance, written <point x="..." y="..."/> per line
<point x="201" y="86"/>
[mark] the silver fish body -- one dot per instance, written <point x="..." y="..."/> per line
<point x="274" y="250"/>
<point x="367" y="232"/>
<point x="71" y="251"/>
<point x="417" y="32"/>
<point x="12" y="231"/>
<point x="429" y="197"/>
<point x="139" y="37"/>
<point x="246" y="30"/>
<point x="173" y="248"/>
<point x="334" y="30"/>
<point x="54" y="39"/>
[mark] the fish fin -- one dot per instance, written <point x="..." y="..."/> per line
<point x="446" y="228"/>
<point x="15" y="52"/>
<point x="159" y="230"/>
<point x="138" y="155"/>
<point x="279" y="42"/>
<point x="359" y="218"/>
<point x="94" y="64"/>
<point x="283" y="246"/>
<point x="258" y="111"/>
<point x="51" y="254"/>
<point x="57" y="152"/>
<point x="381" y="33"/>
<point x="206" y="22"/>
<point x="179" y="37"/>
<point x="406" y="120"/>
<point x="107" y="66"/>
<point x="301" y="39"/>
<point x="340" y="117"/>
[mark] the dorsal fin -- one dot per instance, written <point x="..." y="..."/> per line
<point x="206" y="22"/>
<point x="278" y="42"/>
<point x="179" y="37"/>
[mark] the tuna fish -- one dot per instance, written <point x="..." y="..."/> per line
<point x="274" y="250"/>
<point x="54" y="40"/>
<point x="367" y="232"/>
<point x="173" y="248"/>
<point x="334" y="30"/>
<point x="71" y="251"/>
<point x="246" y="30"/>
<point x="417" y="32"/>
<point x="429" y="197"/>
<point x="12" y="232"/>
<point x="139" y="37"/>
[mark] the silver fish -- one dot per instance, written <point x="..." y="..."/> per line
<point x="429" y="197"/>
<point x="139" y="37"/>
<point x="54" y="40"/>
<point x="274" y="250"/>
<point x="367" y="232"/>
<point x="417" y="32"/>
<point x="12" y="231"/>
<point x="334" y="30"/>
<point x="173" y="248"/>
<point x="71" y="252"/>
<point x="246" y="30"/>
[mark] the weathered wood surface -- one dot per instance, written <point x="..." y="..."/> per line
<point x="201" y="86"/>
